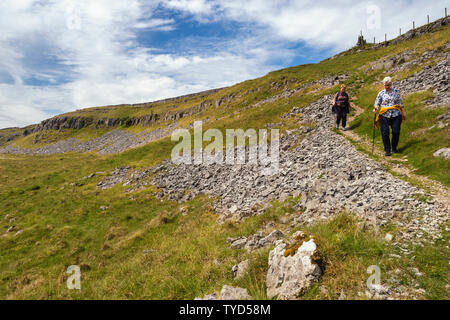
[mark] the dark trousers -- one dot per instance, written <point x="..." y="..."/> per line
<point x="394" y="123"/>
<point x="341" y="114"/>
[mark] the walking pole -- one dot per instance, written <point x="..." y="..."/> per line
<point x="373" y="133"/>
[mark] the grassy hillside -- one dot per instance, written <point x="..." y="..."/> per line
<point x="143" y="247"/>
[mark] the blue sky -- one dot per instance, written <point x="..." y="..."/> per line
<point x="58" y="56"/>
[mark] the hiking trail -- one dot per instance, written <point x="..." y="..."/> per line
<point x="397" y="165"/>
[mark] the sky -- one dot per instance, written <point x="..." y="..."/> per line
<point x="57" y="56"/>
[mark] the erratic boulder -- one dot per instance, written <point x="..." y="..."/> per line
<point x="293" y="267"/>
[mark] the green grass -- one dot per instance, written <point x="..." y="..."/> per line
<point x="63" y="225"/>
<point x="348" y="249"/>
<point x="433" y="261"/>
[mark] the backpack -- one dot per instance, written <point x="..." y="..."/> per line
<point x="336" y="104"/>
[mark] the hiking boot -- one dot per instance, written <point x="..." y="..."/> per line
<point x="395" y="151"/>
<point x="344" y="128"/>
<point x="387" y="154"/>
<point x="337" y="126"/>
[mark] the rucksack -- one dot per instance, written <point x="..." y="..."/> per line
<point x="337" y="104"/>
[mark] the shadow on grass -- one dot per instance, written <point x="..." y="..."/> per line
<point x="408" y="145"/>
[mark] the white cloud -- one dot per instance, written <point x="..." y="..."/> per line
<point x="96" y="43"/>
<point x="334" y="24"/>
<point x="23" y="105"/>
<point x="156" y="24"/>
<point x="193" y="6"/>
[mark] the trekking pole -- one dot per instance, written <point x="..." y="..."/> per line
<point x="373" y="133"/>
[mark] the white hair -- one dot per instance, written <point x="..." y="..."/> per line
<point x="387" y="80"/>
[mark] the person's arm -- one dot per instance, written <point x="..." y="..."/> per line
<point x="377" y="103"/>
<point x="334" y="99"/>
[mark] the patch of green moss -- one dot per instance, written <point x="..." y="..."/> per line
<point x="292" y="247"/>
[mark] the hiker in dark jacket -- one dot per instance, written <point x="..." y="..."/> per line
<point x="391" y="113"/>
<point x="341" y="106"/>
